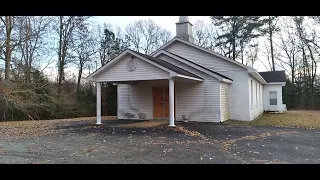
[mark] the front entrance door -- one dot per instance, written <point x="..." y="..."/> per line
<point x="273" y="104"/>
<point x="161" y="102"/>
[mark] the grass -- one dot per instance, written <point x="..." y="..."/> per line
<point x="294" y="118"/>
<point x="22" y="129"/>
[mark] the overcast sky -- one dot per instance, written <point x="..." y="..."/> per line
<point x="167" y="22"/>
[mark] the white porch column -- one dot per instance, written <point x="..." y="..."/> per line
<point x="98" y="103"/>
<point x="171" y="102"/>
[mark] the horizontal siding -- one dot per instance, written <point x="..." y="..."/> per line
<point x="255" y="99"/>
<point x="198" y="101"/>
<point x="224" y="101"/>
<point x="143" y="71"/>
<point x="238" y="90"/>
<point x="201" y="57"/>
<point x="134" y="99"/>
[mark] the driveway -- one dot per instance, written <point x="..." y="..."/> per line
<point x="83" y="142"/>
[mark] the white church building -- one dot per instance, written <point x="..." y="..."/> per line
<point x="182" y="81"/>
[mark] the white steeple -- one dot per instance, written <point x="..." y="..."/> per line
<point x="184" y="29"/>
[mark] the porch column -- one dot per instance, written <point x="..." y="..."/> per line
<point x="171" y="102"/>
<point x="98" y="84"/>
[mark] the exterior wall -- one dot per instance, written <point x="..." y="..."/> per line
<point x="238" y="90"/>
<point x="135" y="99"/>
<point x="143" y="71"/>
<point x="196" y="101"/>
<point x="255" y="98"/>
<point x="266" y="93"/>
<point x="224" y="101"/>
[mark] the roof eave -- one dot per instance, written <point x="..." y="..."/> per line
<point x="256" y="75"/>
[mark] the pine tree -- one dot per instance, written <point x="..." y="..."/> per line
<point x="236" y="31"/>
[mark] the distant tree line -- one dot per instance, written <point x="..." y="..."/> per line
<point x="44" y="59"/>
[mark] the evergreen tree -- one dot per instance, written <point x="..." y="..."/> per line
<point x="236" y="31"/>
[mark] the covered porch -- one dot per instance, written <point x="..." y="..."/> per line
<point x="146" y="85"/>
<point x="148" y="99"/>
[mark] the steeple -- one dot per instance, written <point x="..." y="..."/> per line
<point x="184" y="29"/>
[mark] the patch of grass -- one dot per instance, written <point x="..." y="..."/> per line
<point x="144" y="124"/>
<point x="23" y="129"/>
<point x="293" y="118"/>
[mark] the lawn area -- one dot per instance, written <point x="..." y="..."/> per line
<point x="294" y="118"/>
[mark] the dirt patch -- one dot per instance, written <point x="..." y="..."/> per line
<point x="23" y="129"/>
<point x="144" y="124"/>
<point x="293" y="118"/>
<point x="188" y="132"/>
<point x="227" y="144"/>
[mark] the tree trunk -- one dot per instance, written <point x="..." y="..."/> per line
<point x="60" y="52"/>
<point x="271" y="44"/>
<point x="8" y="20"/>
<point x="233" y="46"/>
<point x="79" y="78"/>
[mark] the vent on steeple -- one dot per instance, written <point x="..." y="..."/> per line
<point x="184" y="29"/>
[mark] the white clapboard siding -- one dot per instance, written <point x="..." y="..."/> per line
<point x="135" y="99"/>
<point x="224" y="101"/>
<point x="196" y="101"/>
<point x="201" y="57"/>
<point x="238" y="95"/>
<point x="238" y="90"/>
<point x="143" y="71"/>
<point x="255" y="101"/>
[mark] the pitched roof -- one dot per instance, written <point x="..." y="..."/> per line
<point x="199" y="65"/>
<point x="168" y="65"/>
<point x="201" y="48"/>
<point x="273" y="76"/>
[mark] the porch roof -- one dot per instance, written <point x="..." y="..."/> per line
<point x="172" y="70"/>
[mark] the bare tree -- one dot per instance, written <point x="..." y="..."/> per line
<point x="67" y="25"/>
<point x="9" y="42"/>
<point x="31" y="30"/>
<point x="289" y="47"/>
<point x="270" y="29"/>
<point x="84" y="48"/>
<point x="202" y="33"/>
<point x="146" y="35"/>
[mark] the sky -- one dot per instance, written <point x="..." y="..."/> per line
<point x="167" y="22"/>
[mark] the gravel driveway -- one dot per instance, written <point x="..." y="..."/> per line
<point x="84" y="142"/>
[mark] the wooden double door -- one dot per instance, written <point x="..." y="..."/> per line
<point x="160" y="102"/>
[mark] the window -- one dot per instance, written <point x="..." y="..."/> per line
<point x="251" y="94"/>
<point x="256" y="94"/>
<point x="273" y="98"/>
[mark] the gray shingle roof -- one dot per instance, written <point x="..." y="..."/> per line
<point x="200" y="65"/>
<point x="274" y="76"/>
<point x="168" y="65"/>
